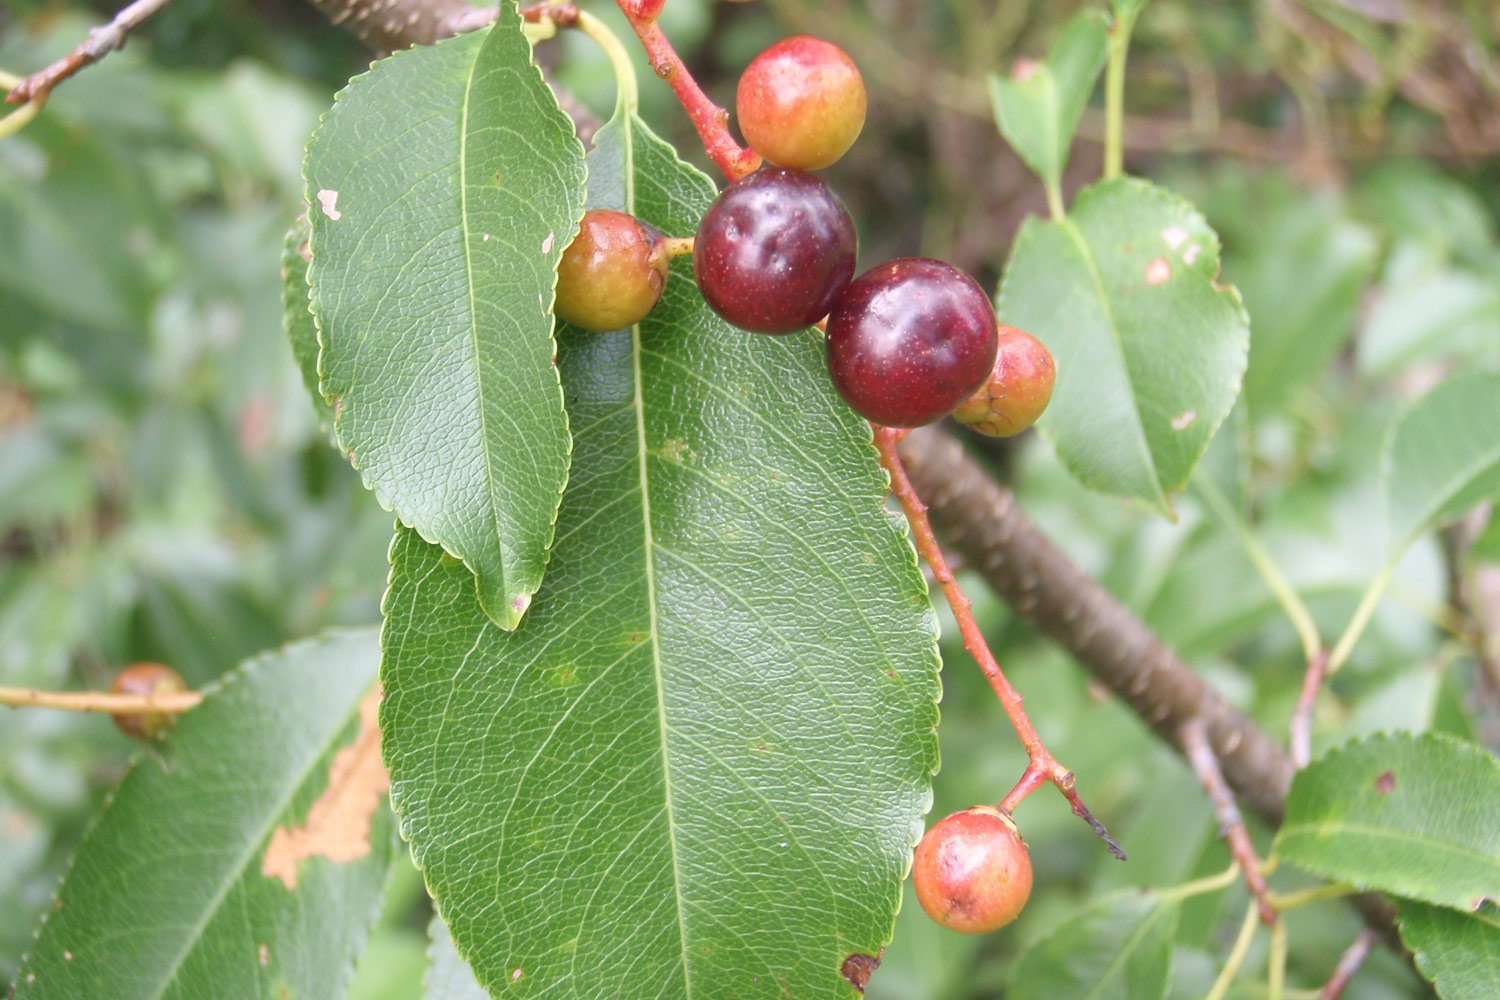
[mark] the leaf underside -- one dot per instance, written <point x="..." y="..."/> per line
<point x="699" y="767"/>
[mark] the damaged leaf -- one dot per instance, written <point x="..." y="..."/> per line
<point x="166" y="898"/>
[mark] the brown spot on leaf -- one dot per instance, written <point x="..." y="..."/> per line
<point x="264" y="954"/>
<point x="857" y="968"/>
<point x="1158" y="272"/>
<point x="1385" y="783"/>
<point x="338" y="824"/>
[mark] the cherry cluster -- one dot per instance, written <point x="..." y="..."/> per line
<point x="910" y="341"/>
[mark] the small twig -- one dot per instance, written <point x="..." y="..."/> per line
<point x="1200" y="754"/>
<point x="1042" y="767"/>
<point x="101" y="41"/>
<point x="1302" y="715"/>
<point x="99" y="701"/>
<point x="711" y="121"/>
<point x="1348" y="965"/>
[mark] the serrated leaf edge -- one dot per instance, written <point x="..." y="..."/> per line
<point x="509" y="618"/>
<point x="1164" y="490"/>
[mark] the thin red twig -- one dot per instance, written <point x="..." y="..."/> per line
<point x="1302" y="715"/>
<point x="1042" y="767"/>
<point x="1200" y="753"/>
<point x="711" y="121"/>
<point x="1348" y="965"/>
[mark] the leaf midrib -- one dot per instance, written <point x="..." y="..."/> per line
<point x="484" y="417"/>
<point x="1321" y="831"/>
<point x="1069" y="227"/>
<point x="627" y="112"/>
<point x="253" y="845"/>
<point x="1127" y="950"/>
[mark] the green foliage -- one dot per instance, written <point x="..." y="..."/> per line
<point x="1415" y="816"/>
<point x="161" y="902"/>
<point x="1038" y="109"/>
<point x="1444" y="455"/>
<point x="718" y="734"/>
<point x="1149" y="348"/>
<point x="1459" y="952"/>
<point x="1121" y="946"/>
<point x="434" y="263"/>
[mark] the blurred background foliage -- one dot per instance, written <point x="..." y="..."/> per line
<point x="165" y="492"/>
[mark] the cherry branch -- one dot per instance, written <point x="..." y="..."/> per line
<point x="710" y="120"/>
<point x="1042" y="767"/>
<point x="101" y="41"/>
<point x="100" y="701"/>
<point x="1231" y="824"/>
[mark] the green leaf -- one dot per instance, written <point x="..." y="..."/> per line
<point x="166" y="898"/>
<point x="444" y="185"/>
<point x="448" y="975"/>
<point x="1127" y="9"/>
<point x="1149" y="348"/>
<point x="1443" y="456"/>
<point x="1458" y="952"/>
<point x="1302" y="278"/>
<point x="301" y="330"/>
<point x="699" y="767"/>
<point x="1120" y="948"/>
<point x="1417" y="816"/>
<point x="1038" y="109"/>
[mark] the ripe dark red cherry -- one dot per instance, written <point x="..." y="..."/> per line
<point x="910" y="340"/>
<point x="972" y="872"/>
<point x="801" y="103"/>
<point x="146" y="679"/>
<point x="610" y="276"/>
<point x="774" y="251"/>
<point x="1017" y="391"/>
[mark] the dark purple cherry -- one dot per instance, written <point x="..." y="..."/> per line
<point x="910" y="340"/>
<point x="774" y="251"/>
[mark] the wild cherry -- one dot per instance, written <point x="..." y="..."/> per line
<point x="910" y="340"/>
<point x="610" y="276"/>
<point x="1017" y="391"/>
<point x="801" y="103"/>
<point x="972" y="872"/>
<point x="146" y="679"/>
<point x="774" y="251"/>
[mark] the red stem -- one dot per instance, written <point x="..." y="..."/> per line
<point x="1042" y="767"/>
<point x="711" y="121"/>
<point x="1348" y="965"/>
<point x="1200" y="753"/>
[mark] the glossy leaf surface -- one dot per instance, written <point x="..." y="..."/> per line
<point x="698" y="768"/>
<point x="166" y="899"/>
<point x="444" y="185"/>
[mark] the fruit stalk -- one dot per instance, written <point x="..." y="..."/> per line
<point x="710" y="120"/>
<point x="1042" y="767"/>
